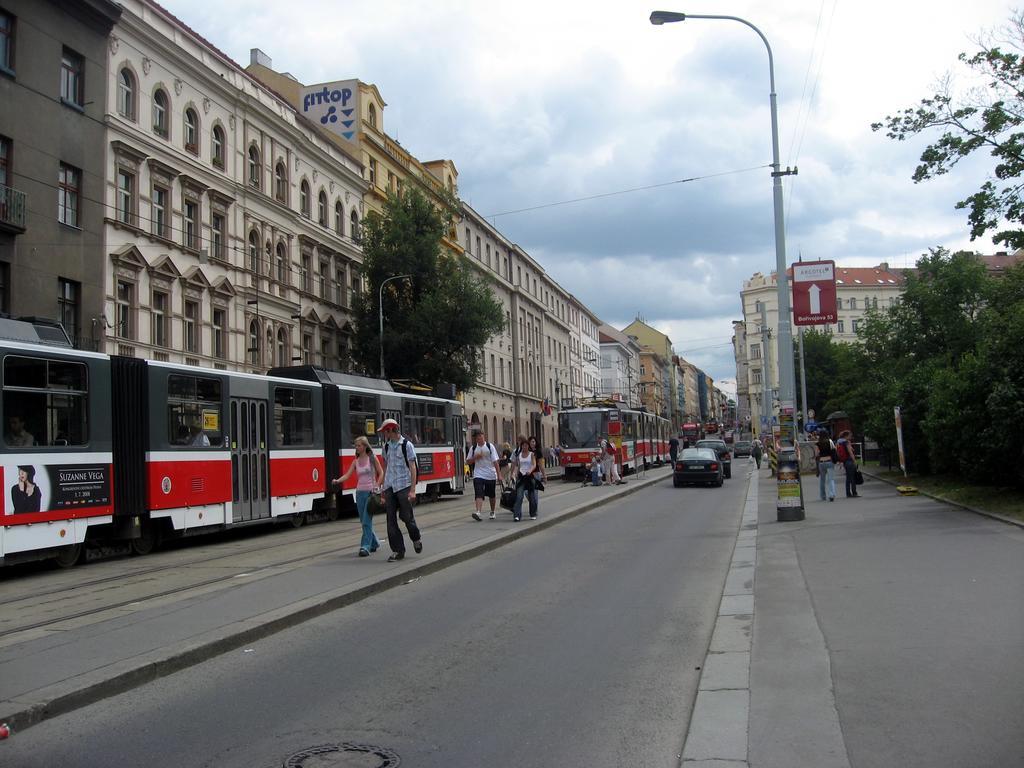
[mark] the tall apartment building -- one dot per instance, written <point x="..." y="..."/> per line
<point x="661" y="345"/>
<point x="858" y="289"/>
<point x="620" y="366"/>
<point x="584" y="353"/>
<point x="232" y="224"/>
<point x="53" y="92"/>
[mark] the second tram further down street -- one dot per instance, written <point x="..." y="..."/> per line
<point x="639" y="438"/>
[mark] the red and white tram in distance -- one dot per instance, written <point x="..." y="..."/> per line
<point x="120" y="452"/>
<point x="640" y="438"/>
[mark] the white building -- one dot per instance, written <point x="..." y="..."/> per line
<point x="232" y="227"/>
<point x="620" y="365"/>
<point x="584" y="352"/>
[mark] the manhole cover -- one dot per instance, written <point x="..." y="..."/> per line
<point x="344" y="755"/>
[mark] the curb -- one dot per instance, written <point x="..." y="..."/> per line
<point x="56" y="700"/>
<point x="944" y="500"/>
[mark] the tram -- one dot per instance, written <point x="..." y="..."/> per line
<point x="109" y="451"/>
<point x="640" y="438"/>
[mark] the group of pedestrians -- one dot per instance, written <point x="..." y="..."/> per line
<point x="828" y="455"/>
<point x="522" y="470"/>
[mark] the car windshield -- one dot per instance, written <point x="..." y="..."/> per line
<point x="699" y="454"/>
<point x="716" y="445"/>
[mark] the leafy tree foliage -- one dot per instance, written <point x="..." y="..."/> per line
<point x="950" y="355"/>
<point x="986" y="119"/>
<point x="437" y="319"/>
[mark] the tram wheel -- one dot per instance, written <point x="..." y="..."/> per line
<point x="68" y="556"/>
<point x="147" y="542"/>
<point x="298" y="520"/>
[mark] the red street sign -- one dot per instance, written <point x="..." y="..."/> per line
<point x="814" y="292"/>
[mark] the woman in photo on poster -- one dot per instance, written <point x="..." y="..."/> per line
<point x="25" y="494"/>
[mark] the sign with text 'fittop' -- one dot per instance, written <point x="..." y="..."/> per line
<point x="335" y="107"/>
<point x="814" y="292"/>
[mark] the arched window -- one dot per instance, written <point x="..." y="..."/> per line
<point x="283" y="358"/>
<point x="339" y="218"/>
<point x="217" y="142"/>
<point x="254" y="252"/>
<point x="354" y="220"/>
<point x="161" y="104"/>
<point x="321" y="208"/>
<point x="304" y="199"/>
<point x="126" y="93"/>
<point x="255" y="169"/>
<point x="282" y="264"/>
<point x="254" y="343"/>
<point x="372" y="116"/>
<point x="191" y="131"/>
<point x="280" y="182"/>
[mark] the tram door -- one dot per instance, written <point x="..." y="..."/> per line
<point x="250" y="465"/>
<point x="458" y="431"/>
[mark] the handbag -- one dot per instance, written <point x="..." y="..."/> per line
<point x="508" y="497"/>
<point x="858" y="478"/>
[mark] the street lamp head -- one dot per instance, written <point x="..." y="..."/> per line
<point x="666" y="17"/>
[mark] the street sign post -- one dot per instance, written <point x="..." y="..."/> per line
<point x="814" y="292"/>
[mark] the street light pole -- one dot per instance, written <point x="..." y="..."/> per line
<point x="784" y="333"/>
<point x="380" y="310"/>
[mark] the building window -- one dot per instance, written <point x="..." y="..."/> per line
<point x="160" y="198"/>
<point x="125" y="197"/>
<point x="324" y="280"/>
<point x="6" y="41"/>
<point x="254" y="344"/>
<point x="283" y="356"/>
<point x="5" y="161"/>
<point x="839" y="326"/>
<point x="70" y="183"/>
<point x="161" y="126"/>
<point x="280" y="183"/>
<point x="354" y="224"/>
<point x="469" y="241"/>
<point x="159" y="314"/>
<point x="373" y="171"/>
<point x="191" y="131"/>
<point x="306" y="277"/>
<point x="339" y="286"/>
<point x="307" y="349"/>
<point x="856" y="325"/>
<point x="755" y="351"/>
<point x="67" y="307"/>
<point x="339" y="218"/>
<point x="282" y="265"/>
<point x="190" y="216"/>
<point x="756" y="376"/>
<point x="321" y="209"/>
<point x="123" y="325"/>
<point x="72" y="78"/>
<point x="191" y="326"/>
<point x="126" y="93"/>
<point x="254" y="167"/>
<point x="254" y="252"/>
<point x="304" y="204"/>
<point x="217" y="229"/>
<point x="372" y="115"/>
<point x="217" y="142"/>
<point x="218" y="332"/>
<point x="853" y="303"/>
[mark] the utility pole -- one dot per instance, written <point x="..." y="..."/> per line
<point x="765" y="372"/>
<point x="803" y="379"/>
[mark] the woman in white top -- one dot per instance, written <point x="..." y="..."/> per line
<point x="369" y="475"/>
<point x="529" y="472"/>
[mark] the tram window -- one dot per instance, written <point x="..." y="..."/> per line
<point x="434" y="428"/>
<point x="362" y="417"/>
<point x="193" y="411"/>
<point x="413" y="424"/>
<point x="293" y="416"/>
<point x="45" y="402"/>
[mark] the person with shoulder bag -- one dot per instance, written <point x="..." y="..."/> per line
<point x="369" y="476"/>
<point x="847" y="457"/>
<point x="825" y="466"/>
<point x="528" y="469"/>
<point x="484" y="460"/>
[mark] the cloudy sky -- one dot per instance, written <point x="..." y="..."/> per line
<point x="539" y="103"/>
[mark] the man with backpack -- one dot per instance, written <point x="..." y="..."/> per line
<point x="483" y="458"/>
<point x="399" y="489"/>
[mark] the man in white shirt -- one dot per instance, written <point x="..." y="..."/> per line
<point x="483" y="458"/>
<point x="199" y="437"/>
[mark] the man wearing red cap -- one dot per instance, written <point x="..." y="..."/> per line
<point x="399" y="489"/>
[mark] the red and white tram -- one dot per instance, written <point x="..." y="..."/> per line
<point x="115" y="451"/>
<point x="640" y="438"/>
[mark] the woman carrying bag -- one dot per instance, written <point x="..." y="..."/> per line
<point x="844" y="451"/>
<point x="529" y="472"/>
<point x="369" y="475"/>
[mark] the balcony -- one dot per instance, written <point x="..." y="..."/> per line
<point x="12" y="209"/>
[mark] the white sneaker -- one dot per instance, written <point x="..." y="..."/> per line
<point x="476" y="516"/>
<point x="493" y="516"/>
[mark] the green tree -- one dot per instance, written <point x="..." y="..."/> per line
<point x="987" y="118"/>
<point x="820" y="368"/>
<point x="437" y="319"/>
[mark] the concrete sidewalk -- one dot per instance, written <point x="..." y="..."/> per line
<point x="879" y="631"/>
<point x="49" y="671"/>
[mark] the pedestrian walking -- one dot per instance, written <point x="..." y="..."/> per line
<point x="399" y="489"/>
<point x="608" y="452"/>
<point x="673" y="449"/>
<point x="848" y="458"/>
<point x="529" y="470"/>
<point x="756" y="451"/>
<point x="484" y="460"/>
<point x="825" y="469"/>
<point x="369" y="476"/>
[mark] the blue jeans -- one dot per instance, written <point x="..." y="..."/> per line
<point x="517" y="508"/>
<point x="369" y="541"/>
<point x="826" y="476"/>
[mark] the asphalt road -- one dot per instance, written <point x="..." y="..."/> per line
<point x="578" y="647"/>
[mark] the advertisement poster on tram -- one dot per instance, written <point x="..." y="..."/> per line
<point x="32" y="488"/>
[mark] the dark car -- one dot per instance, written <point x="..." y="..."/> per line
<point x="697" y="465"/>
<point x="742" y="449"/>
<point x="724" y="455"/>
